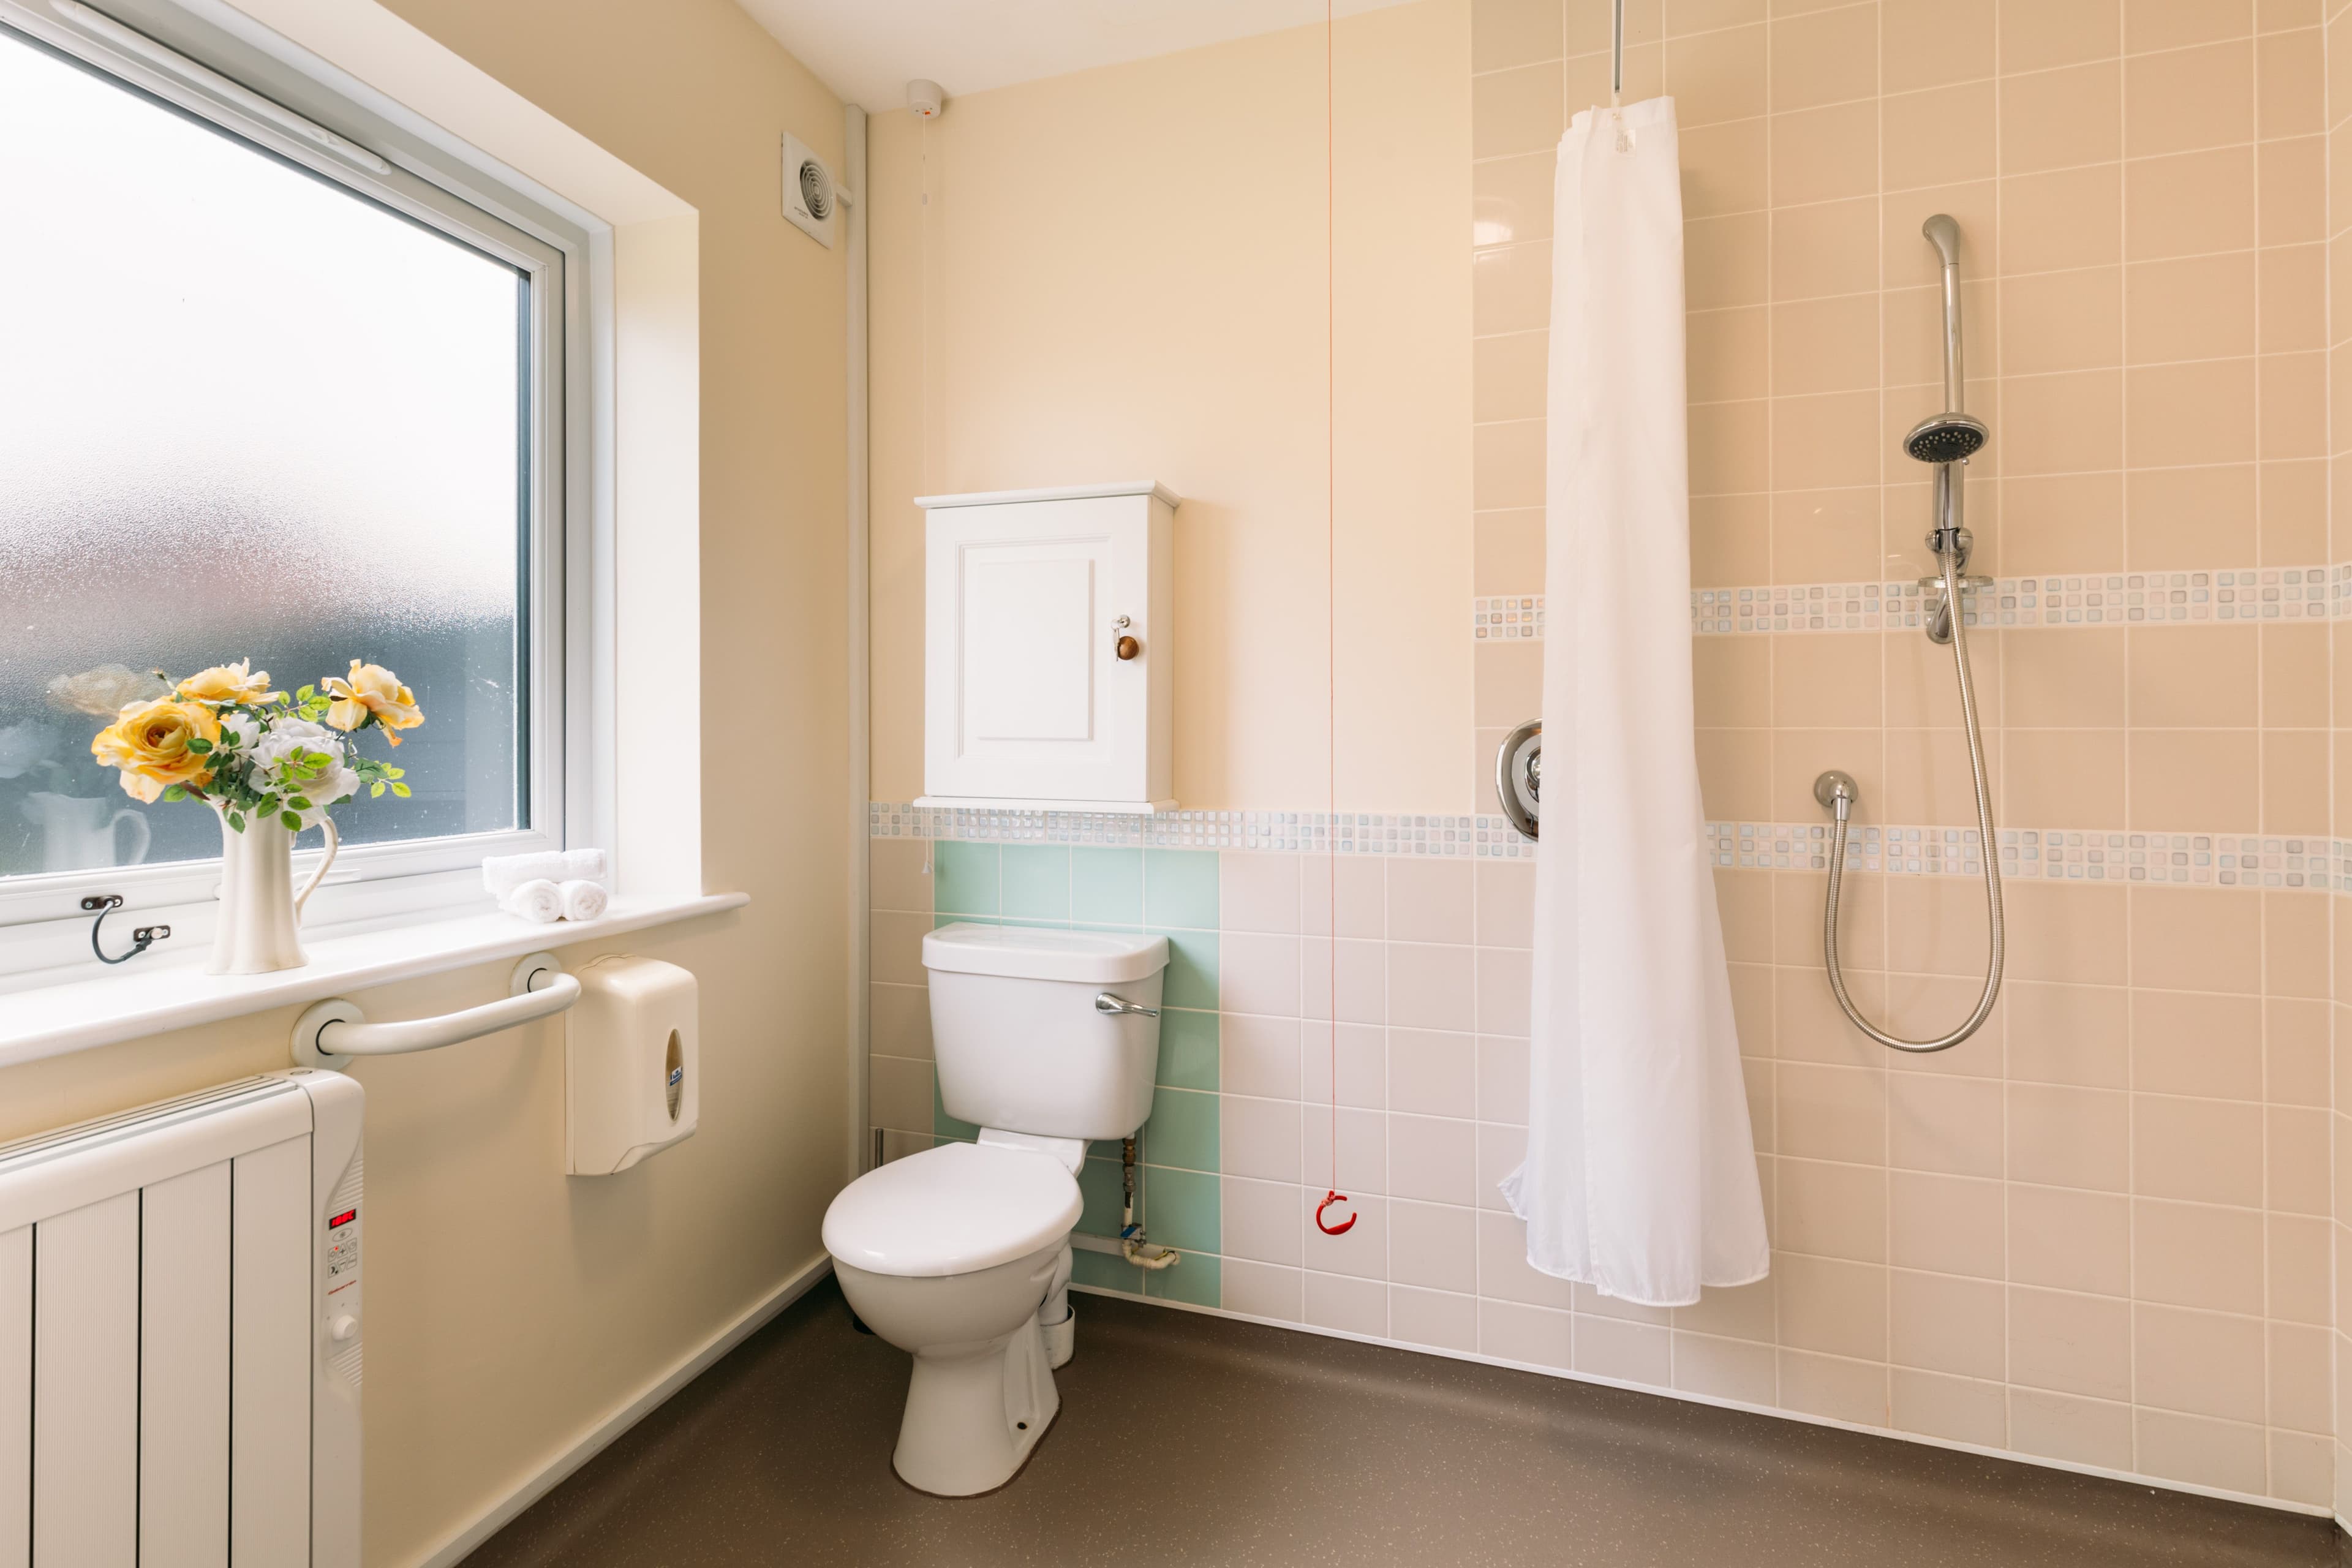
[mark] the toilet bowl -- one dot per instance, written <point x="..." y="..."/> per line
<point x="960" y="1254"/>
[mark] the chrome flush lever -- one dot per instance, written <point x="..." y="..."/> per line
<point x="1105" y="1002"/>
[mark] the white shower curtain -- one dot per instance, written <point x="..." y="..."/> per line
<point x="1640" y="1176"/>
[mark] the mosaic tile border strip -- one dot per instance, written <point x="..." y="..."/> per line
<point x="1513" y="617"/>
<point x="2093" y="599"/>
<point x="2194" y="859"/>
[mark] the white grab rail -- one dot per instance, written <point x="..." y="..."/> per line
<point x="335" y="1032"/>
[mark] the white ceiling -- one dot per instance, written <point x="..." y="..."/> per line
<point x="868" y="50"/>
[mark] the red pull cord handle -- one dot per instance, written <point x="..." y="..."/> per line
<point x="1342" y="1227"/>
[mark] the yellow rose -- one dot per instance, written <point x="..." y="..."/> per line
<point x="150" y="744"/>
<point x="371" y="691"/>
<point x="229" y="683"/>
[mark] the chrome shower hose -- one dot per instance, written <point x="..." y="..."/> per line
<point x="1839" y="795"/>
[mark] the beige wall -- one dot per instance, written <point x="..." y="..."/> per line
<point x="1119" y="274"/>
<point x="2337" y="161"/>
<point x="512" y="1307"/>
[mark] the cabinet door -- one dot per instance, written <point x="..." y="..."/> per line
<point x="1028" y="699"/>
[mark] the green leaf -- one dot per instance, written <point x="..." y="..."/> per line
<point x="302" y="695"/>
<point x="236" y="820"/>
<point x="290" y="820"/>
<point x="297" y="803"/>
<point x="198" y="743"/>
<point x="175" y="793"/>
<point x="375" y="790"/>
<point x="400" y="789"/>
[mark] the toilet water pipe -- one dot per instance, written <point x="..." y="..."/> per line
<point x="1130" y="1235"/>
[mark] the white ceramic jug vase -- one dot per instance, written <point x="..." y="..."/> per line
<point x="260" y="912"/>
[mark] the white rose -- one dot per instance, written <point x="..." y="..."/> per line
<point x="24" y="747"/>
<point x="286" y="739"/>
<point x="105" y="691"/>
<point x="240" y="729"/>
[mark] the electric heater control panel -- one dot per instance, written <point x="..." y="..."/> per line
<point x="342" y="1253"/>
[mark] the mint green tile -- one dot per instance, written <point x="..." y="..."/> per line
<point x="1195" y="1280"/>
<point x="1192" y="968"/>
<point x="1180" y="888"/>
<point x="1107" y="886"/>
<point x="946" y="1126"/>
<point x="1036" y="883"/>
<point x="1182" y="1129"/>
<point x="1103" y="1149"/>
<point x="1107" y="1271"/>
<point x="1180" y="1209"/>
<point x="1188" y="1049"/>
<point x="1104" y="1197"/>
<point x="963" y="878"/>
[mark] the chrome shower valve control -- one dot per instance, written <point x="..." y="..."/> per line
<point x="1109" y="1002"/>
<point x="1837" y="791"/>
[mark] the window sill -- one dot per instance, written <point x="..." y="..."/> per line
<point x="85" y="1007"/>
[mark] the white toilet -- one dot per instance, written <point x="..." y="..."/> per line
<point x="961" y="1254"/>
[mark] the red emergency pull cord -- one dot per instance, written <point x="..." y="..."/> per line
<point x="1342" y="1227"/>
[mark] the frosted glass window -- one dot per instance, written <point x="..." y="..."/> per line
<point x="244" y="412"/>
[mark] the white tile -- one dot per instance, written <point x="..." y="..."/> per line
<point x="1506" y="903"/>
<point x="1432" y="1159"/>
<point x="1260" y="1289"/>
<point x="2302" y="1464"/>
<point x="1430" y="900"/>
<point x="1588" y="1300"/>
<point x="1262" y="1220"/>
<point x="1258" y="974"/>
<point x="1351" y="1306"/>
<point x="2207" y="1452"/>
<point x="1735" y="1313"/>
<point x="1501" y="1151"/>
<point x="2065" y="1427"/>
<point x="1354" y="978"/>
<point x="1432" y="987"/>
<point x="1358" y="1054"/>
<point x="899" y="1093"/>
<point x="1361" y="1250"/>
<point x="1434" y="1318"/>
<point x="1502" y="1080"/>
<point x="1257" y="891"/>
<point x="1504" y="976"/>
<point x="1433" y="1074"/>
<point x="1434" y="1245"/>
<point x="1630" y="1353"/>
<point x="1723" y="1369"/>
<point x="1363" y="1164"/>
<point x="1360" y="882"/>
<point x="1503" y="1271"/>
<point x="1258" y="1138"/>
<point x="1962" y="1409"/>
<point x="1539" y="1336"/>
<point x="1258" y="1056"/>
<point x="900" y="1021"/>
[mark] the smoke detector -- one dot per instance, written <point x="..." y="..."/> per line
<point x="811" y="201"/>
<point x="926" y="99"/>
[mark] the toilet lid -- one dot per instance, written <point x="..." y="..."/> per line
<point x="951" y="1210"/>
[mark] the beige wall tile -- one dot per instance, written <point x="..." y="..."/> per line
<point x="1506" y="33"/>
<point x="2036" y="35"/>
<point x="1974" y="205"/>
<point x="2069" y="1344"/>
<point x="1510" y="199"/>
<point x="1830" y="1112"/>
<point x="2294" y="673"/>
<point x="2296" y="929"/>
<point x="1826" y="440"/>
<point x="2067" y="217"/>
<point x="2180" y="414"/>
<point x="1705" y="16"/>
<point x="1726" y="260"/>
<point x="2192" y="309"/>
<point x="1734" y="773"/>
<point x="2194" y="677"/>
<point x="2295" y="407"/>
<point x="2190" y="1255"/>
<point x="2183" y="780"/>
<point x="2060" y="118"/>
<point x="2070" y="1240"/>
<point x="1929" y="43"/>
<point x="2065" y="678"/>
<point x="1940" y="1123"/>
<point x="2294" y="1051"/>
<point x="1936" y="925"/>
<point x="2301" y="1373"/>
<point x="1939" y="137"/>
<point x="2185" y="519"/>
<point x="1952" y="1224"/>
<point x="1928" y="778"/>
<point x="1509" y="679"/>
<point x="2184" y="99"/>
<point x="1945" y="1325"/>
<point x="2061" y="522"/>
<point x="1508" y="551"/>
<point x="2298" y="1271"/>
<point x="1825" y="536"/>
<point x="1823" y="154"/>
<point x="1831" y="1306"/>
<point x="2293" y="502"/>
<point x="2192" y="203"/>
<point x="1835" y="1386"/>
<point x="2064" y="1137"/>
<point x="2197" y="1043"/>
<point x="2194" y="939"/>
<point x="1510" y="288"/>
<point x="2176" y="24"/>
<point x="1731" y="537"/>
<point x="1516" y="111"/>
<point x="1717" y="76"/>
<point x="1828" y="248"/>
<point x="2292" y="185"/>
<point x="1731" y="680"/>
<point x="2294" y="782"/>
<point x="1827" y="57"/>
<point x="2297" y="1158"/>
<point x="2198" y="1151"/>
<point x="2062" y="776"/>
<point x="1797" y="898"/>
<point x="1508" y="465"/>
<point x="2200" y="1362"/>
<point x="1729" y="447"/>
<point x="2068" y="1034"/>
<point x="2289" y="98"/>
<point x="1825" y="345"/>
<point x="1825" y="682"/>
<point x="1921" y="692"/>
<point x="2292" y="282"/>
<point x="1831" y="1210"/>
<point x="2061" y="424"/>
<point x="1914" y="334"/>
<point x="2061" y="1426"/>
<point x="2064" y="320"/>
<point x="1506" y="380"/>
<point x="1724" y="171"/>
<point x="2066" y="931"/>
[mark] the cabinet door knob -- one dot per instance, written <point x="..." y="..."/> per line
<point x="1126" y="647"/>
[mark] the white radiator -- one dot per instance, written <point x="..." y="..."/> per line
<point x="179" y="1333"/>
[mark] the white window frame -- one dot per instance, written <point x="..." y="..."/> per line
<point x="168" y="52"/>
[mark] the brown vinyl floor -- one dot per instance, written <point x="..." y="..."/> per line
<point x="1188" y="1439"/>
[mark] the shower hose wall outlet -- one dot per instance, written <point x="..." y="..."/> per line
<point x="1948" y="440"/>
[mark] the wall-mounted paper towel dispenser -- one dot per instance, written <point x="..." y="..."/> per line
<point x="631" y="1066"/>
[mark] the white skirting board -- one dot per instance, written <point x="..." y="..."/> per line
<point x="2156" y="1482"/>
<point x="597" y="1438"/>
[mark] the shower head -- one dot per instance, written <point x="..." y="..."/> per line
<point x="1949" y="437"/>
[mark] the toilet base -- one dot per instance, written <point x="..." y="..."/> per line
<point x="974" y="1412"/>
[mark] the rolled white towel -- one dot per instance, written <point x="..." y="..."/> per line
<point x="582" y="900"/>
<point x="502" y="874"/>
<point x="538" y="900"/>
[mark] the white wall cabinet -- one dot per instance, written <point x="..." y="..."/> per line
<point x="1029" y="703"/>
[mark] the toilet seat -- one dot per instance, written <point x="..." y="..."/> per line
<point x="953" y="1209"/>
